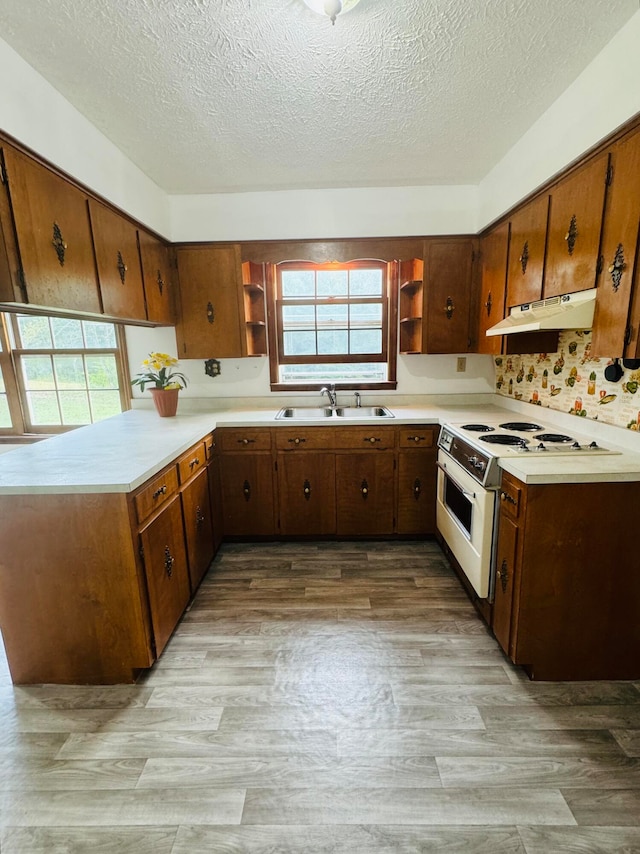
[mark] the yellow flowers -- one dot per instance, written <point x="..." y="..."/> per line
<point x="157" y="372"/>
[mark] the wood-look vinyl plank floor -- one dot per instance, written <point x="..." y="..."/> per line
<point x="323" y="697"/>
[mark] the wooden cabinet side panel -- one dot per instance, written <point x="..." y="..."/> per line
<point x="448" y="295"/>
<point x="575" y="223"/>
<point x="157" y="278"/>
<point x="307" y="495"/>
<point x="247" y="494"/>
<point x="494" y="250"/>
<point x="527" y="252"/>
<point x="365" y="493"/>
<point x="42" y="201"/>
<point x="71" y="607"/>
<point x="210" y="324"/>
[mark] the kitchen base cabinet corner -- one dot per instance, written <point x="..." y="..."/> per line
<point x="567" y="586"/>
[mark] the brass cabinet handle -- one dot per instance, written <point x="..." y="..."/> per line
<point x="524" y="257"/>
<point x="296" y="441"/>
<point x="306" y="489"/>
<point x="246" y="489"/>
<point x="417" y="488"/>
<point x="160" y="282"/>
<point x="489" y="304"/>
<point x="504" y="496"/>
<point x="503" y="575"/>
<point x="246" y="441"/>
<point x="169" y="561"/>
<point x="199" y="517"/>
<point x="210" y="313"/>
<point x="58" y="243"/>
<point x="122" y="267"/>
<point x="194" y="462"/>
<point x="449" y="308"/>
<point x="372" y="439"/>
<point x="416" y="438"/>
<point x="617" y="267"/>
<point x="572" y="234"/>
<point x="364" y="489"/>
<point x="161" y="490"/>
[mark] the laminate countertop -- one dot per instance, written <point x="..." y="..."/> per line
<point x="122" y="452"/>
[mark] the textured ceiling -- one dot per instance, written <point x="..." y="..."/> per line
<point x="241" y="95"/>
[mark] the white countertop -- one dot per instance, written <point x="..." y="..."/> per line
<point x="121" y="453"/>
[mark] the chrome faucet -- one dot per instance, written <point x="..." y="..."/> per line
<point x="358" y="401"/>
<point x="331" y="394"/>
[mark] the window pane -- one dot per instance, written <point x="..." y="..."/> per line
<point x="298" y="283"/>
<point x="99" y="335"/>
<point x="321" y="373"/>
<point x="69" y="372"/>
<point x="333" y="341"/>
<point x="2" y="388"/>
<point x="330" y="314"/>
<point x="35" y="333"/>
<point x="365" y="283"/>
<point x="37" y="372"/>
<point x="299" y="343"/>
<point x="101" y="372"/>
<point x="298" y="315"/>
<point x="43" y="408"/>
<point x="104" y="404"/>
<point x="332" y="283"/>
<point x="5" y="417"/>
<point x="367" y="314"/>
<point x="365" y="341"/>
<point x="67" y="334"/>
<point x="75" y="407"/>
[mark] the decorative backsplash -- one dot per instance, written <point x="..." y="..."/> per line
<point x="572" y="381"/>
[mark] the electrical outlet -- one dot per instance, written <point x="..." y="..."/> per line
<point x="461" y="364"/>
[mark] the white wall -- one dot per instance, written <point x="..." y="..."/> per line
<point x="603" y="97"/>
<point x="37" y="115"/>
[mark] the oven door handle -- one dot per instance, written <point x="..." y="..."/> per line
<point x="465" y="492"/>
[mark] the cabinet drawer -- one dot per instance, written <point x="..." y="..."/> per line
<point x="304" y="438"/>
<point x="189" y="463"/>
<point x="417" y="437"/>
<point x="365" y="438"/>
<point x="239" y="439"/>
<point x="511" y="497"/>
<point x="155" y="493"/>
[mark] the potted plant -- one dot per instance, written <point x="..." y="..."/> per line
<point x="164" y="381"/>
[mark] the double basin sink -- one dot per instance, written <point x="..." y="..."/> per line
<point x="301" y="412"/>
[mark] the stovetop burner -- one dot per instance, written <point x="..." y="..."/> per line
<point x="503" y="439"/>
<point x="478" y="428"/>
<point x="524" y="426"/>
<point x="553" y="437"/>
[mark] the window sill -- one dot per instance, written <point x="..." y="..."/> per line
<point x="388" y="386"/>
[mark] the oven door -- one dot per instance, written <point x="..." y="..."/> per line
<point x="465" y="513"/>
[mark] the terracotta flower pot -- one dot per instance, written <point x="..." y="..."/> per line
<point x="166" y="400"/>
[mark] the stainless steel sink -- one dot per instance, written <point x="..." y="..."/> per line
<point x="305" y="412"/>
<point x="302" y="412"/>
<point x="363" y="412"/>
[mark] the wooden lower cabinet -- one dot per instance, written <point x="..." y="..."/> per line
<point x="567" y="587"/>
<point x="307" y="493"/>
<point x="365" y="493"/>
<point x="196" y="511"/>
<point x="416" y="492"/>
<point x="246" y="486"/>
<point x="165" y="562"/>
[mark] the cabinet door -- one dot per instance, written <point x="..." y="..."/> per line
<point x="506" y="566"/>
<point x="416" y="492"/>
<point x="448" y="289"/>
<point x="247" y="494"/>
<point x="210" y="323"/>
<point x="527" y="247"/>
<point x="215" y="500"/>
<point x="575" y="223"/>
<point x="165" y="562"/>
<point x="157" y="279"/>
<point x="365" y="493"/>
<point x="493" y="251"/>
<point x="307" y="494"/>
<point x="196" y="510"/>
<point x="54" y="237"/>
<point x="619" y="239"/>
<point x="118" y="261"/>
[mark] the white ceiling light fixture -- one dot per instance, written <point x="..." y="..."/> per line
<point x="332" y="8"/>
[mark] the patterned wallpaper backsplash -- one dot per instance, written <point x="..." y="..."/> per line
<point x="572" y="381"/>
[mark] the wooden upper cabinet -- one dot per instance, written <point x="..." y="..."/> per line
<point x="210" y="323"/>
<point x="118" y="262"/>
<point x="157" y="277"/>
<point x="52" y="238"/>
<point x="575" y="224"/>
<point x="494" y="248"/>
<point x="447" y="299"/>
<point x="527" y="252"/>
<point x="614" y="332"/>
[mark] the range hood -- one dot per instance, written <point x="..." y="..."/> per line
<point x="570" y="311"/>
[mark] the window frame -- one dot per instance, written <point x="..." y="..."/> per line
<point x="388" y="301"/>
<point x="14" y="382"/>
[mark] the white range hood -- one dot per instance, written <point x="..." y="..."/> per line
<point x="570" y="311"/>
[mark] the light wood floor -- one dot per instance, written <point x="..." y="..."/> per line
<point x="338" y="697"/>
